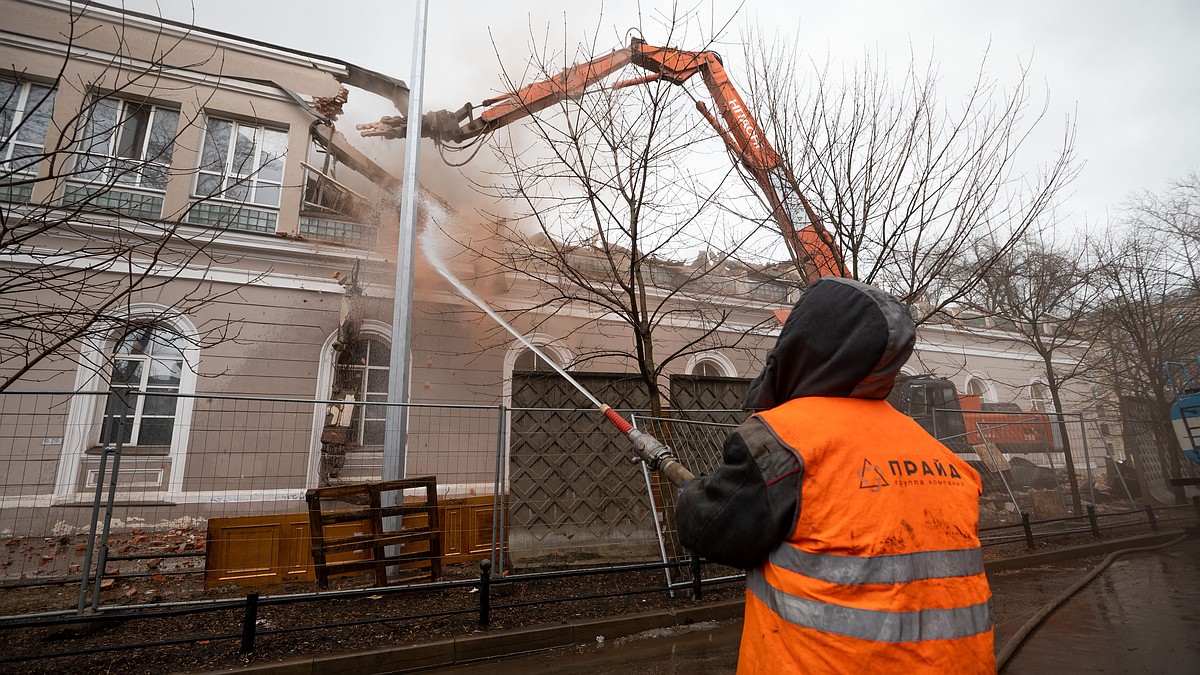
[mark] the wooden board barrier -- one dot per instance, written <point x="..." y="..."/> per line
<point x="277" y="548"/>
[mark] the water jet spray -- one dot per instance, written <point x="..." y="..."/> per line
<point x="655" y="454"/>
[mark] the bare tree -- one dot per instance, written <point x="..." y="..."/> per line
<point x="83" y="233"/>
<point x="1150" y="306"/>
<point x="1174" y="217"/>
<point x="908" y="185"/>
<point x="1041" y="292"/>
<point x="615" y="225"/>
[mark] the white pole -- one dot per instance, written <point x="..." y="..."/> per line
<point x="399" y="374"/>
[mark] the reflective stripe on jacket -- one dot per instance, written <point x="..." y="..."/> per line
<point x="883" y="570"/>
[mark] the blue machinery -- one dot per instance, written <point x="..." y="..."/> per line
<point x="1185" y="412"/>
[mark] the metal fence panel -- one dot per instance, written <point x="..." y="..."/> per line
<point x="242" y="462"/>
<point x="575" y="499"/>
<point x="558" y="480"/>
<point x="1021" y="459"/>
<point x="697" y="444"/>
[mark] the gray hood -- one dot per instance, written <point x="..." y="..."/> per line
<point x="843" y="338"/>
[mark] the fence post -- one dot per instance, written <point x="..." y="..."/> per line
<point x="498" y="496"/>
<point x="91" y="543"/>
<point x="102" y="562"/>
<point x="485" y="592"/>
<point x="250" y="622"/>
<point x="1150" y="515"/>
<point x="1028" y="530"/>
<point x="697" y="585"/>
<point x="1091" y="510"/>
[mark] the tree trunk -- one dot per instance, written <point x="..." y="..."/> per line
<point x="1076" y="502"/>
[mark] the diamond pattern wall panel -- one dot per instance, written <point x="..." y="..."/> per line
<point x="708" y="399"/>
<point x="575" y="499"/>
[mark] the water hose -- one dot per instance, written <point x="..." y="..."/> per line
<point x="649" y="450"/>
<point x="1028" y="627"/>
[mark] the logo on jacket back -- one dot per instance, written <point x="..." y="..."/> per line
<point x="907" y="472"/>
<point x="870" y="477"/>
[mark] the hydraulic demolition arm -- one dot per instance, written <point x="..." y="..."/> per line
<point x="810" y="243"/>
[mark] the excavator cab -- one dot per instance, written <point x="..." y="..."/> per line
<point x="1185" y="411"/>
<point x="933" y="403"/>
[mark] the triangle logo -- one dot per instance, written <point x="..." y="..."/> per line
<point x="870" y="477"/>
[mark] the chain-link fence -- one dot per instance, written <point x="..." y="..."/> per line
<point x="1045" y="468"/>
<point x="154" y="496"/>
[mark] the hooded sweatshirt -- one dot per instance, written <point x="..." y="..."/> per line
<point x="843" y="338"/>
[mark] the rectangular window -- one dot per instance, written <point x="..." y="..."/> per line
<point x="148" y="363"/>
<point x="241" y="163"/>
<point x="127" y="143"/>
<point x="25" y="110"/>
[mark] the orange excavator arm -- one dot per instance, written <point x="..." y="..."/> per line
<point x="811" y="244"/>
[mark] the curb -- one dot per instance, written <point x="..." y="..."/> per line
<point x="471" y="648"/>
<point x="474" y="648"/>
<point x="1082" y="551"/>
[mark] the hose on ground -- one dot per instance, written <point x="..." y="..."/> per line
<point x="1023" y="632"/>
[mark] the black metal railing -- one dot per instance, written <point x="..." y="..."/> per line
<point x="244" y="611"/>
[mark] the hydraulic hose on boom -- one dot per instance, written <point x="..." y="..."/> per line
<point x="811" y="245"/>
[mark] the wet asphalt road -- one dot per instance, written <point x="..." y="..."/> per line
<point x="1142" y="615"/>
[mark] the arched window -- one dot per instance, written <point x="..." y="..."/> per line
<point x="1039" y="397"/>
<point x="710" y="364"/>
<point x="370" y="381"/>
<point x="147" y="370"/>
<point x="980" y="385"/>
<point x="529" y="361"/>
<point x="349" y="430"/>
<point x="136" y="386"/>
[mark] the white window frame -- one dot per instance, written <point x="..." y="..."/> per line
<point x="102" y="145"/>
<point x="371" y="329"/>
<point x="716" y="359"/>
<point x="988" y="395"/>
<point x="1047" y="403"/>
<point x="20" y="111"/>
<point x="231" y="177"/>
<point x="85" y="414"/>
<point x="363" y="403"/>
<point x="145" y="389"/>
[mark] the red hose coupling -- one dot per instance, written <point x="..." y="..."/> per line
<point x="618" y="421"/>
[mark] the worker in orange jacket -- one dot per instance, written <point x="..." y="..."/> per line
<point x="858" y="530"/>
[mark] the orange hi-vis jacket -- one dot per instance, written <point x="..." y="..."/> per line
<point x="883" y="570"/>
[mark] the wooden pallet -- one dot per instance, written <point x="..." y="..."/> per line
<point x="415" y="550"/>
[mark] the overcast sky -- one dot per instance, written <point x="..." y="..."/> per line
<point x="1129" y="71"/>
